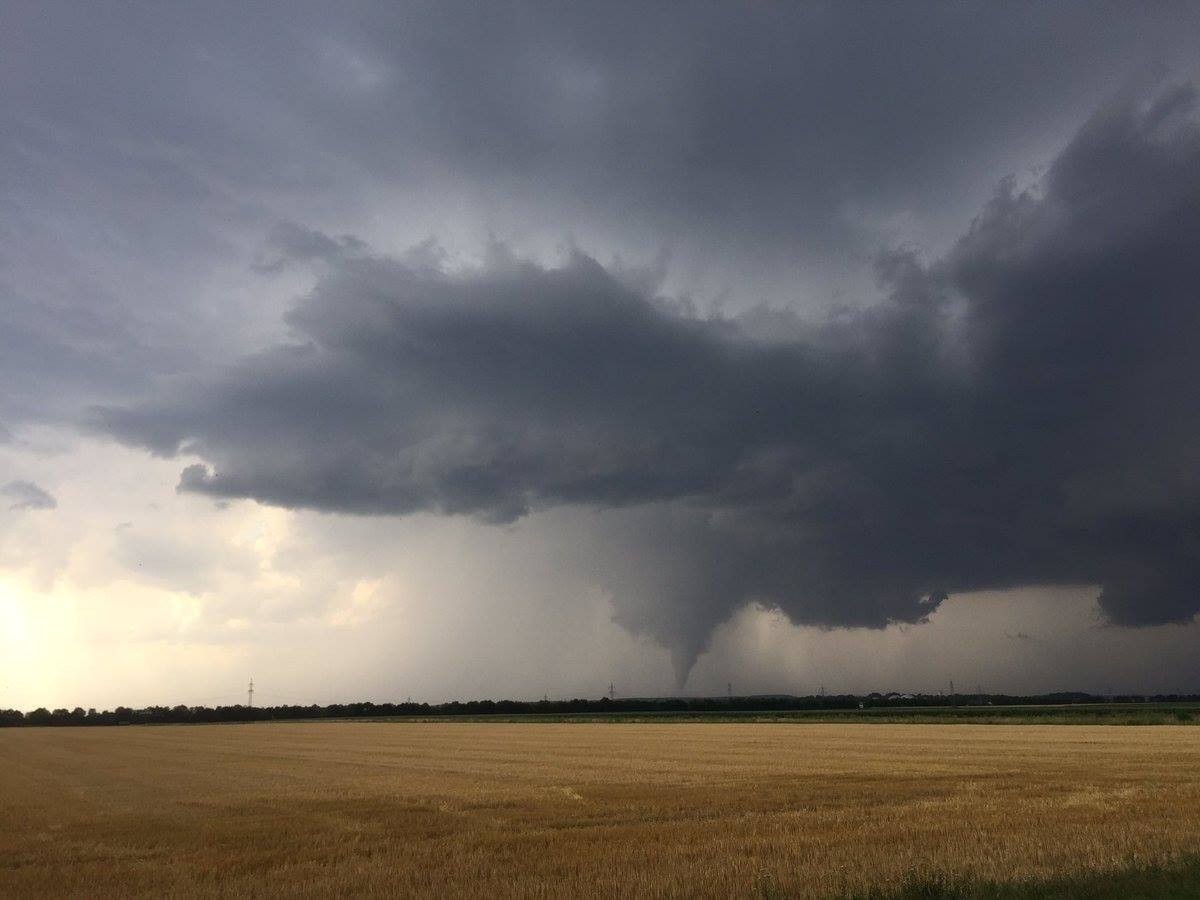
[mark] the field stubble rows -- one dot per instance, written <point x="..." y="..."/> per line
<point x="549" y="810"/>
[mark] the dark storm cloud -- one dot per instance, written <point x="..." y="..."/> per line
<point x="1021" y="411"/>
<point x="24" y="495"/>
<point x="143" y="144"/>
<point x="743" y="131"/>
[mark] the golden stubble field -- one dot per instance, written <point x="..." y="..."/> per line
<point x="554" y="810"/>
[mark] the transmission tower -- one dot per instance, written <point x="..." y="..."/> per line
<point x="612" y="691"/>
<point x="250" y="693"/>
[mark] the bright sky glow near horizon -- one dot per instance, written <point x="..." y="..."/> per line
<point x="450" y="350"/>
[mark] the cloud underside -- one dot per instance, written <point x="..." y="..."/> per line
<point x="1021" y="411"/>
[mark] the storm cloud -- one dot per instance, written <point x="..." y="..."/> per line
<point x="1022" y="410"/>
<point x="148" y="150"/>
<point x="515" y="349"/>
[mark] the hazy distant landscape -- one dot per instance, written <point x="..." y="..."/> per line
<point x="1063" y="708"/>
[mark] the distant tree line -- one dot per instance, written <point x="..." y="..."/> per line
<point x="181" y="714"/>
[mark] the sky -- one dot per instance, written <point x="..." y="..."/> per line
<point x="448" y="350"/>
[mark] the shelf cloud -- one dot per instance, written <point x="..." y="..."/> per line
<point x="1021" y="410"/>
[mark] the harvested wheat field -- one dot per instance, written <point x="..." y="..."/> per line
<point x="437" y="809"/>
